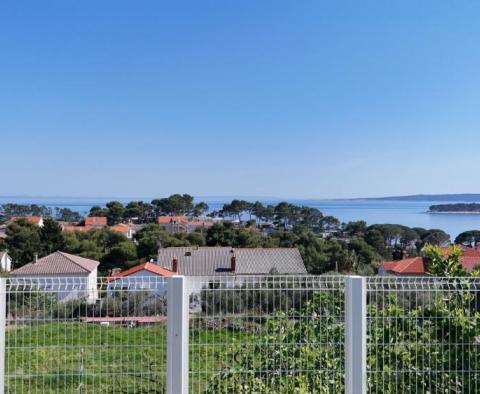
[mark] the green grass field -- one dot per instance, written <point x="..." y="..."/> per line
<point x="89" y="358"/>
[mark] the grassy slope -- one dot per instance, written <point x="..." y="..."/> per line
<point x="80" y="358"/>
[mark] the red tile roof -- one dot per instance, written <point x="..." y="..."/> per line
<point x="418" y="265"/>
<point x="413" y="266"/>
<point x="122" y="228"/>
<point x="32" y="219"/>
<point x="171" y="219"/>
<point x="95" y="221"/>
<point x="150" y="267"/>
<point x="470" y="262"/>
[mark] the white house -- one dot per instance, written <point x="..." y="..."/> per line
<point x="5" y="262"/>
<point x="147" y="276"/>
<point x="66" y="276"/>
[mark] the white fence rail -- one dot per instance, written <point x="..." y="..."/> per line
<point x="273" y="334"/>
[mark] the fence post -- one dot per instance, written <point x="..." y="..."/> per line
<point x="177" y="335"/>
<point x="355" y="335"/>
<point x="3" y="327"/>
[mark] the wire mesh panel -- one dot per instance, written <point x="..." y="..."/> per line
<point x="273" y="334"/>
<point x="81" y="335"/>
<point x="423" y="335"/>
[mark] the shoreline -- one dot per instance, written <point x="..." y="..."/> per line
<point x="454" y="213"/>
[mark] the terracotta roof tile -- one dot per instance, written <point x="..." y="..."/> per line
<point x="95" y="221"/>
<point x="171" y="219"/>
<point x="413" y="266"/>
<point x="122" y="228"/>
<point x="150" y="267"/>
<point x="418" y="265"/>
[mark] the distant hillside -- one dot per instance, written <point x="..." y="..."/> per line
<point x="466" y="197"/>
<point x="455" y="208"/>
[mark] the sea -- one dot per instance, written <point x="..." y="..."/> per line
<point x="408" y="213"/>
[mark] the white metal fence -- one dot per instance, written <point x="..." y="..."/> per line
<point x="267" y="335"/>
<point x="423" y="335"/>
<point x="59" y="340"/>
<point x="276" y="334"/>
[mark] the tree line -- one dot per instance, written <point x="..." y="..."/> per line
<point x="459" y="207"/>
<point x="326" y="244"/>
<point x="19" y="210"/>
<point x="358" y="248"/>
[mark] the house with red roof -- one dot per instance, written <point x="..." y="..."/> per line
<point x="95" y="221"/>
<point x="172" y="219"/>
<point x="418" y="266"/>
<point x="125" y="229"/>
<point x="201" y="263"/>
<point x="183" y="224"/>
<point x="38" y="220"/>
<point x="147" y="276"/>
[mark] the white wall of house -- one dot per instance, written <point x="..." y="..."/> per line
<point x="92" y="286"/>
<point x="6" y="263"/>
<point x="141" y="280"/>
<point x="196" y="283"/>
<point x="64" y="287"/>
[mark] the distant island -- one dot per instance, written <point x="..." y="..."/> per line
<point x="456" y="208"/>
<point x="463" y="197"/>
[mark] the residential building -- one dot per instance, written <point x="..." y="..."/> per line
<point x="79" y="273"/>
<point x="418" y="266"/>
<point x="210" y="261"/>
<point x="141" y="277"/>
<point x="125" y="229"/>
<point x="5" y="261"/>
<point x="172" y="219"/>
<point x="95" y="221"/>
<point x="183" y="224"/>
<point x="38" y="220"/>
<point x="203" y="265"/>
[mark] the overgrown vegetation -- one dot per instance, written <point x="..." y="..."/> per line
<point x="423" y="346"/>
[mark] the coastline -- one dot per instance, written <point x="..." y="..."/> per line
<point x="453" y="213"/>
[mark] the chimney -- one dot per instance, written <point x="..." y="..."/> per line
<point x="233" y="260"/>
<point x="175" y="264"/>
<point x="35" y="258"/>
<point x="116" y="271"/>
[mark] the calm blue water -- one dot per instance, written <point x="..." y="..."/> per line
<point x="408" y="213"/>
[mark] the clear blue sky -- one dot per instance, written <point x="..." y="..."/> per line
<point x="271" y="98"/>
